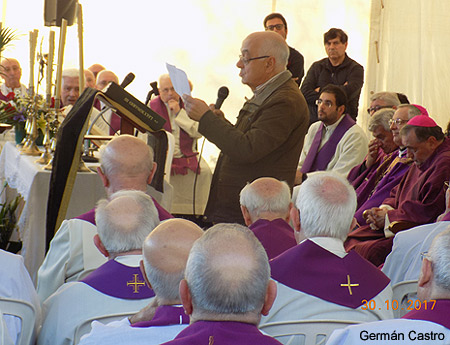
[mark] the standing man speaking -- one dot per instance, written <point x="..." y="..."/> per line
<point x="267" y="138"/>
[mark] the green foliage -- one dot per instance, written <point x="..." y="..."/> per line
<point x="8" y="221"/>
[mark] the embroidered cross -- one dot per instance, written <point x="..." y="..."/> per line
<point x="349" y="285"/>
<point x="136" y="283"/>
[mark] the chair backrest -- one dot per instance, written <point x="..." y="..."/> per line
<point x="403" y="296"/>
<point x="307" y="332"/>
<point x="27" y="314"/>
<point x="85" y="327"/>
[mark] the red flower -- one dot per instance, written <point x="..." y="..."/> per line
<point x="11" y="96"/>
<point x="10" y="108"/>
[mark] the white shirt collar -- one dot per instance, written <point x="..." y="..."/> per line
<point x="129" y="260"/>
<point x="333" y="245"/>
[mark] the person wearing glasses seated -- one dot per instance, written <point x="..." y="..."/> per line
<point x="383" y="100"/>
<point x="334" y="143"/>
<point x="336" y="69"/>
<point x="275" y="22"/>
<point x="268" y="135"/>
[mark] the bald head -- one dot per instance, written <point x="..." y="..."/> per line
<point x="126" y="163"/>
<point x="166" y="251"/>
<point x="271" y="44"/>
<point x="227" y="275"/>
<point x="124" y="221"/>
<point x="265" y="198"/>
<point x="104" y="78"/>
<point x="89" y="78"/>
<point x="11" y="72"/>
<point x="96" y="68"/>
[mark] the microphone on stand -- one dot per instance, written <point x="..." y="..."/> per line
<point x="127" y="80"/>
<point x="221" y="95"/>
<point x="153" y="91"/>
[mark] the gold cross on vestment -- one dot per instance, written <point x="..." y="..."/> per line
<point x="349" y="285"/>
<point x="136" y="283"/>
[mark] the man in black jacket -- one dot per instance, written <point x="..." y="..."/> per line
<point x="337" y="69"/>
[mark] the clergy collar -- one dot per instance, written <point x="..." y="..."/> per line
<point x="334" y="125"/>
<point x="402" y="151"/>
<point x="129" y="260"/>
<point x="333" y="245"/>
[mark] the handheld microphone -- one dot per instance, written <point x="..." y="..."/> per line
<point x="127" y="80"/>
<point x="221" y="95"/>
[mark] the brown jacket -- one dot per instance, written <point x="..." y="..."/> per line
<point x="266" y="141"/>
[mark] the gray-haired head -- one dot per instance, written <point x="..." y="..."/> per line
<point x="412" y="110"/>
<point x="327" y="204"/>
<point x="124" y="221"/>
<point x="389" y="99"/>
<point x="227" y="273"/>
<point x="440" y="257"/>
<point x="381" y="118"/>
<point x="266" y="198"/>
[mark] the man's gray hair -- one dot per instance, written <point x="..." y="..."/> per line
<point x="218" y="287"/>
<point x="70" y="73"/>
<point x="412" y="110"/>
<point x="327" y="204"/>
<point x="440" y="258"/>
<point x="111" y="164"/>
<point x="125" y="229"/>
<point x="391" y="98"/>
<point x="276" y="48"/>
<point x="165" y="285"/>
<point x="256" y="203"/>
<point x="381" y="118"/>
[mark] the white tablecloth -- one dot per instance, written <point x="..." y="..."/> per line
<point x="32" y="182"/>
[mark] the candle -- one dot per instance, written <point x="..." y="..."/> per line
<point x="33" y="41"/>
<point x="62" y="42"/>
<point x="51" y="52"/>
<point x="80" y="46"/>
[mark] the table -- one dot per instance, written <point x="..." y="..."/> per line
<point x="32" y="182"/>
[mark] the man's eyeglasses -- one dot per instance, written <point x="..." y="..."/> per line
<point x="327" y="103"/>
<point x="424" y="255"/>
<point x="246" y="61"/>
<point x="273" y="27"/>
<point x="398" y="122"/>
<point x="376" y="108"/>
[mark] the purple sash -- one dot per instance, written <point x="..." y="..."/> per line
<point x="165" y="315"/>
<point x="186" y="142"/>
<point x="162" y="214"/>
<point x="312" y="269"/>
<point x="439" y="314"/>
<point x="318" y="160"/>
<point x="117" y="280"/>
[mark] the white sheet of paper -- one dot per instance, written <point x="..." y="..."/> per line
<point x="179" y="80"/>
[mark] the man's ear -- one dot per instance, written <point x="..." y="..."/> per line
<point x="152" y="173"/>
<point x="185" y="296"/>
<point x="246" y="215"/>
<point x="341" y="109"/>
<point x="98" y="243"/>
<point x="271" y="294"/>
<point x="142" y="268"/>
<point x="288" y="214"/>
<point x="426" y="273"/>
<point x="103" y="177"/>
<point x="295" y="218"/>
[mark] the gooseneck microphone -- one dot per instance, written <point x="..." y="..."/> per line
<point x="127" y="80"/>
<point x="154" y="86"/>
<point x="221" y="95"/>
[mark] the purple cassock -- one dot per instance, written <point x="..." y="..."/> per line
<point x="117" y="280"/>
<point x="189" y="159"/>
<point x="440" y="313"/>
<point x="276" y="236"/>
<point x="317" y="160"/>
<point x="419" y="198"/>
<point x="313" y="270"/>
<point x="222" y="333"/>
<point x="378" y="184"/>
<point x="89" y="216"/>
<point x="165" y="315"/>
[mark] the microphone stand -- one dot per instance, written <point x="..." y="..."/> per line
<point x="87" y="157"/>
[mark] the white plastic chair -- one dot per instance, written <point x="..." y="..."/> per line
<point x="85" y="327"/>
<point x="401" y="293"/>
<point x="27" y="314"/>
<point x="306" y="332"/>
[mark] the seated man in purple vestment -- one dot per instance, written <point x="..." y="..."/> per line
<point x="265" y="205"/>
<point x="123" y="223"/>
<point x="126" y="162"/>
<point x="317" y="279"/>
<point x="418" y="199"/>
<point x="226" y="288"/>
<point x="375" y="178"/>
<point x="434" y="283"/>
<point x="165" y="253"/>
<point x="335" y="142"/>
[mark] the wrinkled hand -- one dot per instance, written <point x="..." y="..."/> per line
<point x="174" y="106"/>
<point x="374" y="146"/>
<point x="375" y="217"/>
<point x="216" y="112"/>
<point x="195" y="108"/>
